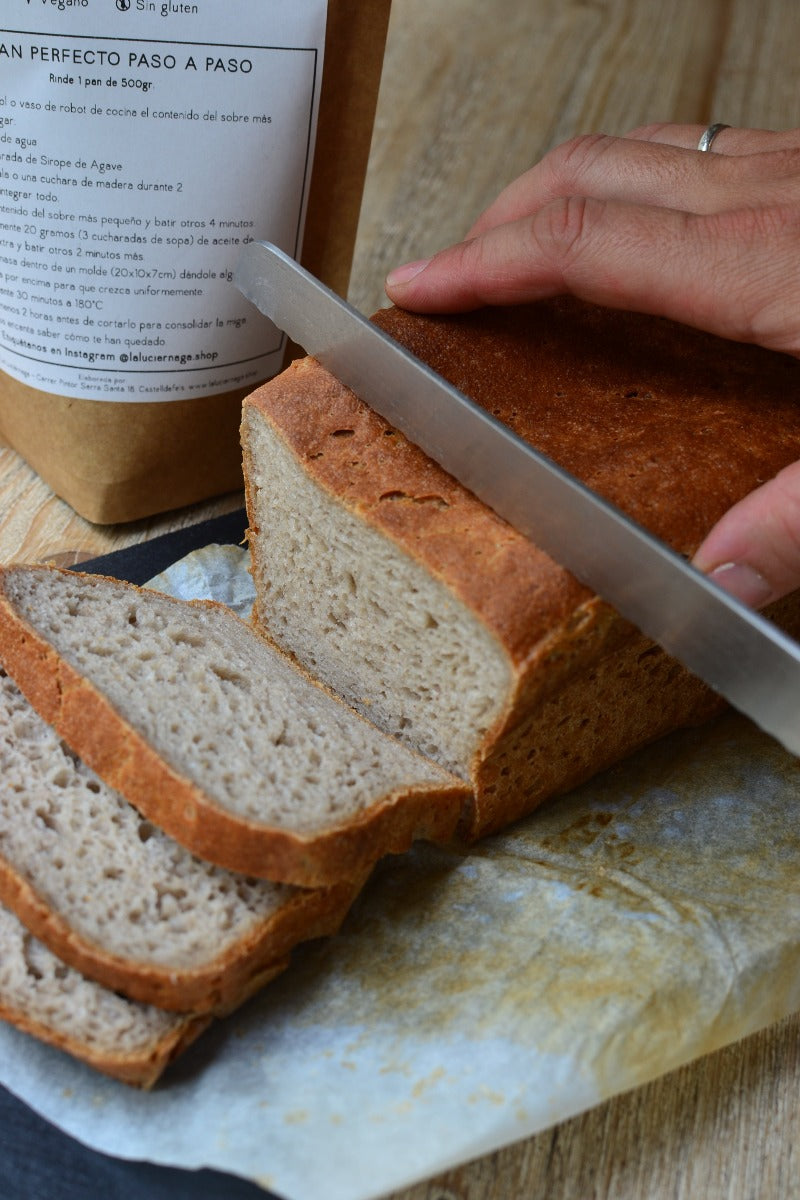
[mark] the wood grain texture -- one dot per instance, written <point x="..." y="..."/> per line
<point x="723" y="1127"/>
<point x="36" y="526"/>
<point x="474" y="91"/>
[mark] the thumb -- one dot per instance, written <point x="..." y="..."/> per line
<point x="754" y="549"/>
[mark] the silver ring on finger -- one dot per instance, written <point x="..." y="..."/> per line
<point x="709" y="134"/>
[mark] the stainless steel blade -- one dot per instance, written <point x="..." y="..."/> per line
<point x="743" y="656"/>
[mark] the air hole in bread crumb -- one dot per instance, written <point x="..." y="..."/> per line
<point x="180" y="637"/>
<point x="342" y="433"/>
<point x="31" y="969"/>
<point x="228" y="675"/>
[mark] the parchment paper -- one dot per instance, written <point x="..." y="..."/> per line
<point x="216" y="572"/>
<point x="649" y="918"/>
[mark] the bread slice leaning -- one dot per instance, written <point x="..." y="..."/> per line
<point x="214" y="734"/>
<point x="56" y="1004"/>
<point x="121" y="901"/>
<point x="399" y="589"/>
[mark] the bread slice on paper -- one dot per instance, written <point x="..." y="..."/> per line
<point x="41" y="996"/>
<point x="399" y="589"/>
<point x="121" y="901"/>
<point x="213" y="734"/>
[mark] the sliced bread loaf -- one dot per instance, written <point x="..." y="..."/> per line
<point x="118" y="899"/>
<point x="41" y="996"/>
<point x="213" y="733"/>
<point x="399" y="589"/>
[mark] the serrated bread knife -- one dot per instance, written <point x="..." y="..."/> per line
<point x="739" y="653"/>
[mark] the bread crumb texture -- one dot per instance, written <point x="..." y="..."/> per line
<point x="222" y="706"/>
<point x="359" y="612"/>
<point x="118" y="881"/>
<point x="400" y="589"/>
<point x="36" y="984"/>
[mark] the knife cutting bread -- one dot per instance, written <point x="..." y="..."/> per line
<point x="486" y="677"/>
<point x="398" y="588"/>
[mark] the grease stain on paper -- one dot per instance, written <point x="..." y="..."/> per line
<point x="627" y="928"/>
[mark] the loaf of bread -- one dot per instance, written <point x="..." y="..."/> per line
<point x="215" y="735"/>
<point x="119" y="900"/>
<point x="414" y="601"/>
<point x="41" y="996"/>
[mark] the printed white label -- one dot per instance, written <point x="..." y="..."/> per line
<point x="142" y="146"/>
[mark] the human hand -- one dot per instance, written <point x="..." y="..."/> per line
<point x="648" y="223"/>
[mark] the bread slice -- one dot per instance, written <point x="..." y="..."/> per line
<point x="413" y="600"/>
<point x="41" y="996"/>
<point x="118" y="899"/>
<point x="213" y="734"/>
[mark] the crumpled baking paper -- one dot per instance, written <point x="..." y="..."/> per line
<point x="214" y="572"/>
<point x="650" y="917"/>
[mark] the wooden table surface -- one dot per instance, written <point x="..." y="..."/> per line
<point x="473" y="92"/>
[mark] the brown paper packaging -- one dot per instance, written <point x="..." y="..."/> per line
<point x="115" y="462"/>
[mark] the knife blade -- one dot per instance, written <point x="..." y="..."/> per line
<point x="738" y="652"/>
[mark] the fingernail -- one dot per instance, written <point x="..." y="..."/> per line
<point x="744" y="582"/>
<point x="406" y="273"/>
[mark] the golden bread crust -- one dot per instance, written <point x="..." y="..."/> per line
<point x="215" y="987"/>
<point x="140" y="1069"/>
<point x="670" y="424"/>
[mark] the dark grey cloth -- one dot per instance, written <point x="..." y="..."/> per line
<point x="39" y="1162"/>
<point x="137" y="564"/>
